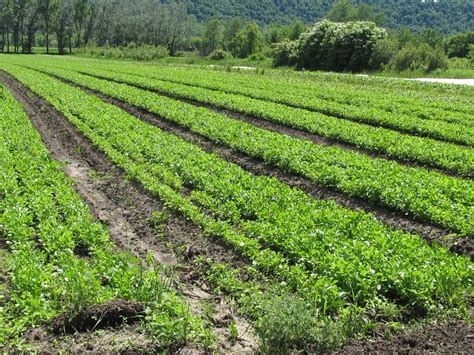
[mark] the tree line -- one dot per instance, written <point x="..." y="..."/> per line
<point x="78" y="23"/>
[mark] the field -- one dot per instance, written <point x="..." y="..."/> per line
<point x="148" y="207"/>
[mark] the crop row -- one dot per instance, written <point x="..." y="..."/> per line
<point x="302" y="94"/>
<point x="423" y="194"/>
<point x="428" y="101"/>
<point x="268" y="90"/>
<point x="442" y="155"/>
<point x="366" y="113"/>
<point x="426" y="104"/>
<point x="330" y="254"/>
<point x="44" y="224"/>
<point x="451" y="132"/>
<point x="442" y="97"/>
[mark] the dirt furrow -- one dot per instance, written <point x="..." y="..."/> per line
<point x="131" y="213"/>
<point x="459" y="245"/>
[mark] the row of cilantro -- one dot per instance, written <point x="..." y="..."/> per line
<point x="43" y="222"/>
<point x="292" y="97"/>
<point x="303" y="94"/>
<point x="439" y="130"/>
<point x="442" y="155"/>
<point x="435" y="105"/>
<point x="335" y="255"/>
<point x="451" y="98"/>
<point x="395" y="120"/>
<point x="426" y="195"/>
<point x="125" y="151"/>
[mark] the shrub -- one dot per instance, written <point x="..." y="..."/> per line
<point x="131" y="51"/>
<point x="384" y="50"/>
<point x="338" y="46"/>
<point x="257" y="57"/>
<point x="422" y="57"/>
<point x="284" y="53"/>
<point x="458" y="45"/>
<point x="218" y="54"/>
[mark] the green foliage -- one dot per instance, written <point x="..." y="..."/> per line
<point x="338" y="46"/>
<point x="43" y="222"/>
<point x="230" y="34"/>
<point x="272" y="98"/>
<point x="218" y="54"/>
<point x="247" y="41"/>
<point x="284" y="53"/>
<point x="345" y="11"/>
<point x="458" y="45"/>
<point x="385" y="189"/>
<point x="212" y="37"/>
<point x="131" y="51"/>
<point x="384" y="50"/>
<point x="445" y="15"/>
<point x="431" y="37"/>
<point x="422" y="57"/>
<point x="341" y="263"/>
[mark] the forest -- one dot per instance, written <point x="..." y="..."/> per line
<point x="447" y="16"/>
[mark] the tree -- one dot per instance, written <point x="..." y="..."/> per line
<point x="179" y="23"/>
<point x="212" y="37"/>
<point x="342" y="11"/>
<point x="47" y="9"/>
<point x="338" y="46"/>
<point x="248" y="41"/>
<point x="103" y="23"/>
<point x="18" y="19"/>
<point x="383" y="52"/>
<point x="63" y="24"/>
<point x="297" y="27"/>
<point x="93" y="8"/>
<point x="405" y="36"/>
<point x="31" y="26"/>
<point x="80" y="14"/>
<point x="419" y="57"/>
<point x="365" y="12"/>
<point x="6" y="14"/>
<point x="431" y="37"/>
<point x="230" y="33"/>
<point x="458" y="44"/>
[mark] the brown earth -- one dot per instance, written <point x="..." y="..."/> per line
<point x="111" y="314"/>
<point x="126" y="339"/>
<point x="455" y="337"/>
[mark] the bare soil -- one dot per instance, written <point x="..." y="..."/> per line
<point x="112" y="314"/>
<point x="126" y="339"/>
<point x="455" y="337"/>
<point x="127" y="209"/>
<point x="431" y="233"/>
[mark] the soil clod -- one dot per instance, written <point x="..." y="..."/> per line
<point x="112" y="314"/>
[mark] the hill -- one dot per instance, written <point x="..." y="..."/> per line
<point x="447" y="16"/>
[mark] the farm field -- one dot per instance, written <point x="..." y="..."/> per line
<point x="192" y="208"/>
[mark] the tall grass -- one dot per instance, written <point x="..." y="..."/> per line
<point x="131" y="51"/>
